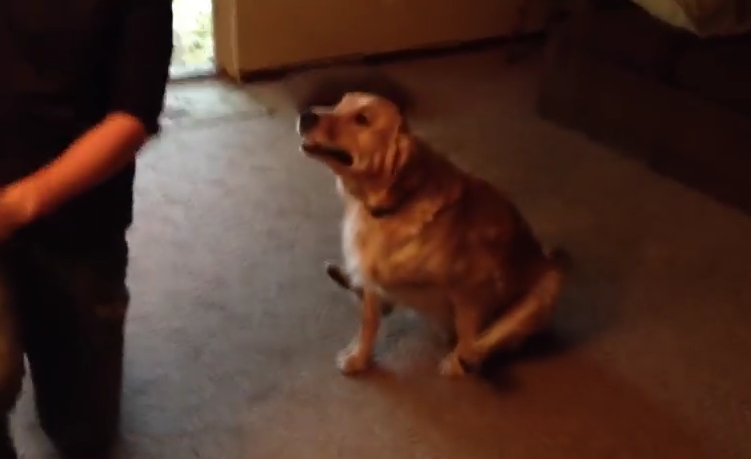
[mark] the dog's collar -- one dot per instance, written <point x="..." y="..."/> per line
<point x="407" y="193"/>
<point x="389" y="210"/>
<point x="383" y="211"/>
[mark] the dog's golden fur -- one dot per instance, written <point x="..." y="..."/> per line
<point x="421" y="233"/>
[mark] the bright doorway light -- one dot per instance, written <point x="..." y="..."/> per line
<point x="193" y="35"/>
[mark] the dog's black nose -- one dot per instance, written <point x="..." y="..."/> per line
<point x="307" y="121"/>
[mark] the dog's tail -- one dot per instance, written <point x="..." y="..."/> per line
<point x="342" y="279"/>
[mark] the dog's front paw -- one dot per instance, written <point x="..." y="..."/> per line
<point x="353" y="361"/>
<point x="451" y="366"/>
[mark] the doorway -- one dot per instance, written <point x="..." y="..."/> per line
<point x="193" y="37"/>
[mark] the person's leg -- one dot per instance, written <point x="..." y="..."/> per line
<point x="11" y="358"/>
<point x="73" y="334"/>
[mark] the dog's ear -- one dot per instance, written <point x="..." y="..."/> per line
<point x="394" y="187"/>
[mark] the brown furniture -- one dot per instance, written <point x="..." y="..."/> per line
<point x="680" y="104"/>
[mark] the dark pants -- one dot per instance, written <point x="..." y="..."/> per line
<point x="64" y="309"/>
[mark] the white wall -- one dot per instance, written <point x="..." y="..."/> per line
<point x="262" y="34"/>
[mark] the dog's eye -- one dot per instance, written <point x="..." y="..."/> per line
<point x="362" y="120"/>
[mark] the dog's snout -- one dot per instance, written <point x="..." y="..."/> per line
<point x="307" y="121"/>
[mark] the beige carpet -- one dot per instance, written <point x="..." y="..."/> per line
<point x="195" y="102"/>
<point x="234" y="329"/>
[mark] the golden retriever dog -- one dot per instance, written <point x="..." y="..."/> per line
<point x="421" y="233"/>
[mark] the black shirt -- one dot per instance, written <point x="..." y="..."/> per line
<point x="66" y="64"/>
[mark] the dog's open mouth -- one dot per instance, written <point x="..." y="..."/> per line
<point x="337" y="154"/>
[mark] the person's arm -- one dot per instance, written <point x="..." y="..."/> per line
<point x="137" y="97"/>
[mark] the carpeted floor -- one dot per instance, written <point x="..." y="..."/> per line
<point x="234" y="327"/>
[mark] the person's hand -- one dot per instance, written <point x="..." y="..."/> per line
<point x="16" y="209"/>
